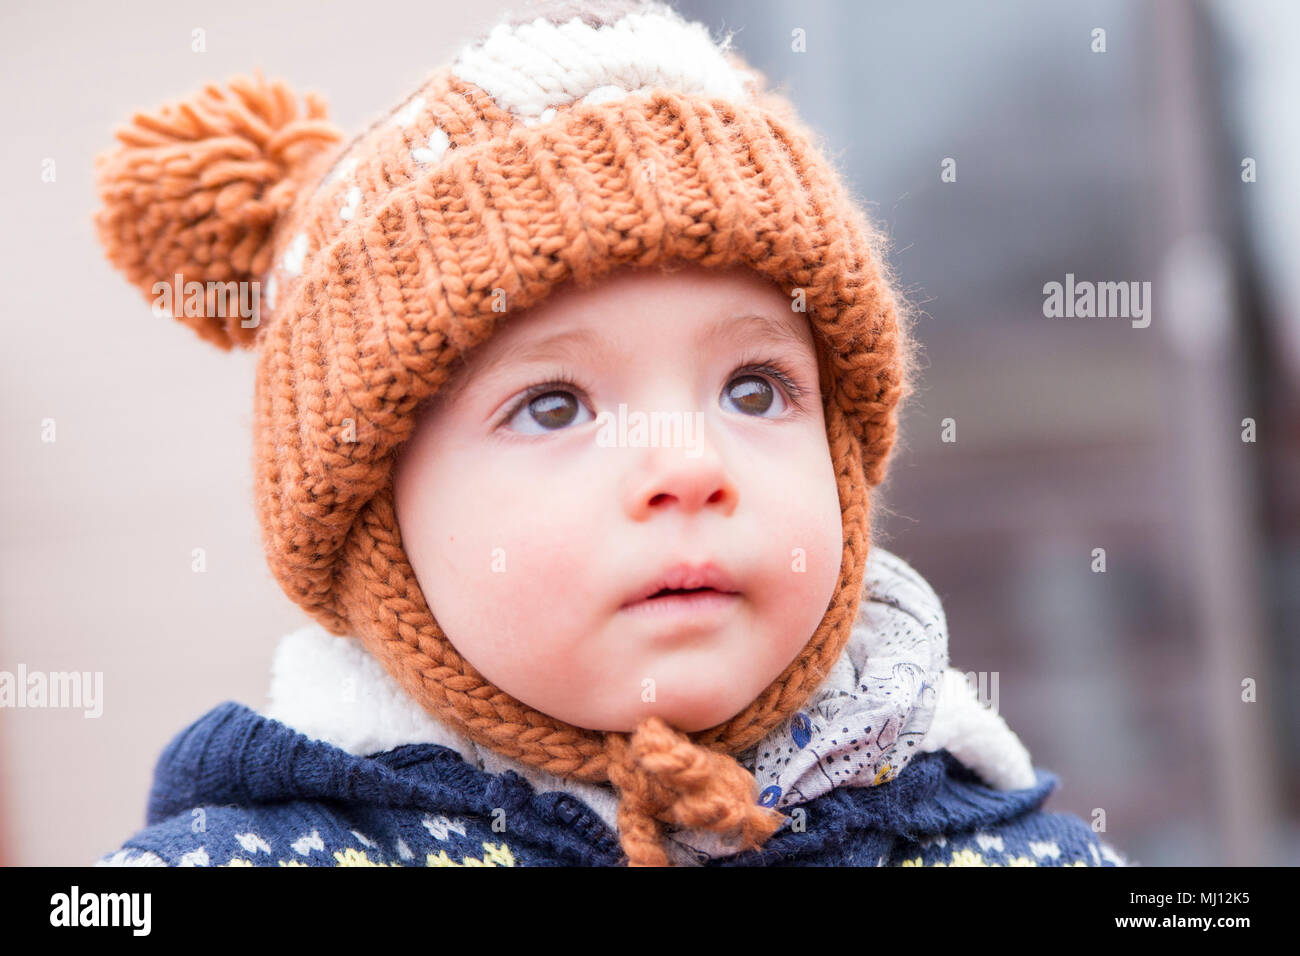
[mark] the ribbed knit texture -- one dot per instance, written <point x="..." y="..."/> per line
<point x="546" y="153"/>
<point x="236" y="788"/>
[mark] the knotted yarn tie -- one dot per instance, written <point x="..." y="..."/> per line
<point x="663" y="777"/>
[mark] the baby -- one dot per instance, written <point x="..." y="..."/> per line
<point x="602" y="583"/>
<point x="576" y="371"/>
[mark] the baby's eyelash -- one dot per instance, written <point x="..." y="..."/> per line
<point x="751" y="364"/>
<point x="776" y="370"/>
<point x="564" y="379"/>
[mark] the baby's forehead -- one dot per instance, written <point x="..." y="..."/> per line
<point x="628" y="309"/>
<point x="678" y="301"/>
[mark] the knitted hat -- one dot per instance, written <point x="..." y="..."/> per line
<point x="555" y="149"/>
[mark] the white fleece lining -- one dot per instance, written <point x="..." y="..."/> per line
<point x="330" y="688"/>
<point x="978" y="736"/>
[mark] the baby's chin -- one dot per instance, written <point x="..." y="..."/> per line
<point x="690" y="705"/>
<point x="690" y="716"/>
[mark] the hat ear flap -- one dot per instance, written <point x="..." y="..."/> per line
<point x="197" y="188"/>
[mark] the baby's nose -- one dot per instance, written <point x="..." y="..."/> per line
<point x="674" y="479"/>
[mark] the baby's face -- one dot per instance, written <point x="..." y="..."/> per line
<point x="538" y="519"/>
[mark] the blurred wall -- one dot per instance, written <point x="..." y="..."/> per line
<point x="152" y="450"/>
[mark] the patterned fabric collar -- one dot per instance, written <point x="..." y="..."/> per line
<point x="890" y="695"/>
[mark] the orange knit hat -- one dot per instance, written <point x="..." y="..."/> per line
<point x="555" y="148"/>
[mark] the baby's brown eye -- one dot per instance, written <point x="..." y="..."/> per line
<point x="751" y="394"/>
<point x="548" y="412"/>
<point x="554" y="409"/>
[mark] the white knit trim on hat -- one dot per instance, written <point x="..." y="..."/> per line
<point x="530" y="68"/>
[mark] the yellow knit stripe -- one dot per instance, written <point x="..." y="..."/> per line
<point x="494" y="854"/>
<point x="970" y="857"/>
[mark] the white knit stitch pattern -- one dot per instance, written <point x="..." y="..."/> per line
<point x="529" y="68"/>
<point x="197" y="857"/>
<point x="252" y="843"/>
<point x="1046" y="848"/>
<point x="440" y="826"/>
<point x="294" y="256"/>
<point x="350" y="203"/>
<point x="437" y="145"/>
<point x="305" y="844"/>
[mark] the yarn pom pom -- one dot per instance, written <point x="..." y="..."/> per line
<point x="196" y="188"/>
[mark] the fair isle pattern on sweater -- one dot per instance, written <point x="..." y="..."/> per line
<point x="237" y="789"/>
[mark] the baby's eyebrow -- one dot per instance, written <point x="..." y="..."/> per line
<point x="573" y="346"/>
<point x="755" y="325"/>
<point x="577" y="345"/>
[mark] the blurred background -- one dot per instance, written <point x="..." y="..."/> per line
<point x="1161" y="691"/>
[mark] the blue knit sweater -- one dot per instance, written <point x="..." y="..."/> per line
<point x="239" y="789"/>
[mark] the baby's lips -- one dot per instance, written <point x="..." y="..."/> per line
<point x="686" y="576"/>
